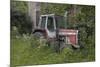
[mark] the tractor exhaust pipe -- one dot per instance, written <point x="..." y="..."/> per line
<point x="65" y="18"/>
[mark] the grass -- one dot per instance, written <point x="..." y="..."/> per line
<point x="23" y="53"/>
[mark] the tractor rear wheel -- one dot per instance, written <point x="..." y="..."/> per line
<point x="39" y="38"/>
<point x="38" y="35"/>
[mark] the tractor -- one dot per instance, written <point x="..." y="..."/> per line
<point x="52" y="28"/>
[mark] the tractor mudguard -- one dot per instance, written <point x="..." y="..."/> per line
<point x="38" y="30"/>
<point x="41" y="31"/>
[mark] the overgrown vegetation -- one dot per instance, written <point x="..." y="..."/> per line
<point x="25" y="51"/>
<point x="20" y="17"/>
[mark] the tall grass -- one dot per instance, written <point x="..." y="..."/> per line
<point x="25" y="52"/>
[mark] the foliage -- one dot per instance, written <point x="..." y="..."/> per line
<point x="58" y="9"/>
<point x="23" y="53"/>
<point x="19" y="17"/>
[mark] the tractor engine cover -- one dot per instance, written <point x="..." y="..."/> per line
<point x="70" y="35"/>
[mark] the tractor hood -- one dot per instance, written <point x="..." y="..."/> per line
<point x="65" y="32"/>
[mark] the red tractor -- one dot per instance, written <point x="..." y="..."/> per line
<point x="53" y="28"/>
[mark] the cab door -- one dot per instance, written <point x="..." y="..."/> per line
<point x="51" y="26"/>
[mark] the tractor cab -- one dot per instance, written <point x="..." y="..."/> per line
<point x="50" y="23"/>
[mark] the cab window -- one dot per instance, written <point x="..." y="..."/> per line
<point x="50" y="24"/>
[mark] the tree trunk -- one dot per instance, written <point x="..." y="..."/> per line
<point x="34" y="13"/>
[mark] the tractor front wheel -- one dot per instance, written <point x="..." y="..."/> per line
<point x="60" y="44"/>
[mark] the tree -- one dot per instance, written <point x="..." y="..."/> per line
<point x="19" y="17"/>
<point x="34" y="13"/>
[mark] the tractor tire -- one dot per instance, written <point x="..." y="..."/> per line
<point x="60" y="45"/>
<point x="57" y="47"/>
<point x="39" y="38"/>
<point x="38" y="35"/>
